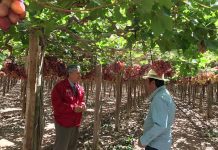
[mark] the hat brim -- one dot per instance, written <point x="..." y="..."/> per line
<point x="146" y="77"/>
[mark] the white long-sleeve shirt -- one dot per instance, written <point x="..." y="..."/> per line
<point x="157" y="124"/>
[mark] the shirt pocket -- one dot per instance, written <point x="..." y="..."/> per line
<point x="68" y="95"/>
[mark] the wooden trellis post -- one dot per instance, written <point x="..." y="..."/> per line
<point x="209" y="100"/>
<point x="97" y="115"/>
<point x="23" y="96"/>
<point x="4" y="85"/>
<point x="118" y="101"/>
<point x="202" y="95"/>
<point x="216" y="92"/>
<point x="34" y="115"/>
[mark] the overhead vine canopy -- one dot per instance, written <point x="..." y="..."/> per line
<point x="107" y="30"/>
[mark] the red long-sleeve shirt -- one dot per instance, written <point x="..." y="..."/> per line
<point x="64" y="102"/>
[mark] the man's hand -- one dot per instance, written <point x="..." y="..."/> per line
<point x="80" y="108"/>
<point x="140" y="144"/>
<point x="84" y="107"/>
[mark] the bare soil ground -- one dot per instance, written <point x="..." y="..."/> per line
<point x="190" y="132"/>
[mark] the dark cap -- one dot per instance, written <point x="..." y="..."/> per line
<point x="73" y="67"/>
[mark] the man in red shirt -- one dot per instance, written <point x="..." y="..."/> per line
<point x="68" y="106"/>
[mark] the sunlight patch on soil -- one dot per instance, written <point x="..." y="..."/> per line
<point x="9" y="110"/>
<point x="5" y="143"/>
<point x="191" y="130"/>
<point x="180" y="140"/>
<point x="90" y="110"/>
<point x="206" y="146"/>
<point x="50" y="126"/>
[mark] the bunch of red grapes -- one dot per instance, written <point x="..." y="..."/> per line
<point x="118" y="67"/>
<point x="2" y="74"/>
<point x="53" y="67"/>
<point x="108" y="73"/>
<point x="11" y="12"/>
<point x="162" y="67"/>
<point x="89" y="75"/>
<point x="144" y="69"/>
<point x="10" y="68"/>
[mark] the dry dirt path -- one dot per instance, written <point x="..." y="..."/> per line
<point x="190" y="131"/>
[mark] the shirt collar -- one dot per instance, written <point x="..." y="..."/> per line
<point x="157" y="90"/>
<point x="71" y="83"/>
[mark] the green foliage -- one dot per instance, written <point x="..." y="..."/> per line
<point x="125" y="144"/>
<point x="145" y="6"/>
<point x="211" y="133"/>
<point x="190" y="62"/>
<point x="3" y="56"/>
<point x="102" y="31"/>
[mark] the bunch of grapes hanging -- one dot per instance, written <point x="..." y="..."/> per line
<point x="11" y="12"/>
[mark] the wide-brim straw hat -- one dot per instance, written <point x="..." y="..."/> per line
<point x="152" y="74"/>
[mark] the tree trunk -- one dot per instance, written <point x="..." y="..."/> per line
<point x="214" y="93"/>
<point x="129" y="97"/>
<point x="4" y="86"/>
<point x="8" y="85"/>
<point x="23" y="96"/>
<point x="54" y="81"/>
<point x="86" y="86"/>
<point x="104" y="87"/>
<point x="118" y="102"/>
<point x="138" y="98"/>
<point x="91" y="86"/>
<point x="135" y="97"/>
<point x="97" y="115"/>
<point x="216" y="99"/>
<point x="11" y="83"/>
<point x="209" y="100"/>
<point x="181" y="91"/>
<point x="185" y="92"/>
<point x="141" y="94"/>
<point x="189" y="93"/>
<point x="50" y="85"/>
<point x="194" y="91"/>
<point x="115" y="90"/>
<point x="1" y="82"/>
<point x="111" y="86"/>
<point x="34" y="109"/>
<point x="201" y="99"/>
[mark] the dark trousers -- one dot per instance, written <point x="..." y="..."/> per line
<point x="66" y="138"/>
<point x="150" y="148"/>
